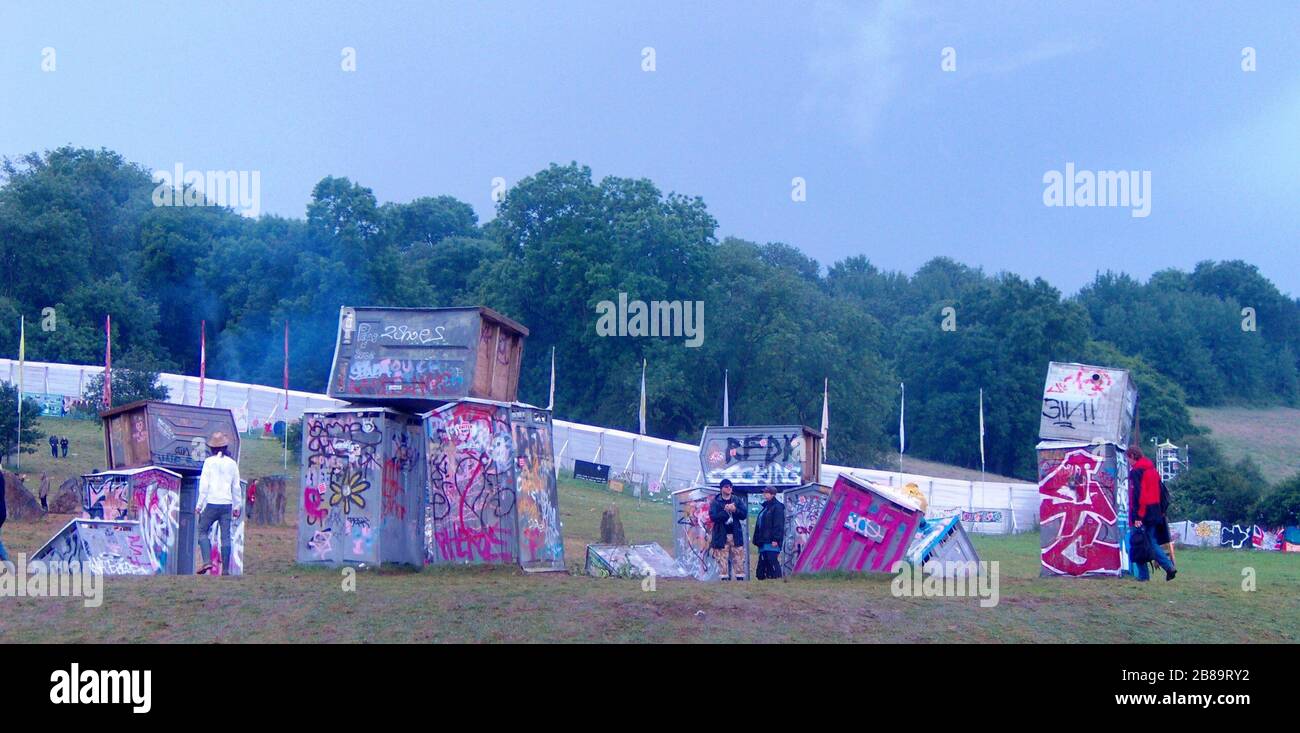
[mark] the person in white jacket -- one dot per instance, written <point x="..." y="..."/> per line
<point x="219" y="498"/>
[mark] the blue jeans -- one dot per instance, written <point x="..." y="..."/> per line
<point x="1157" y="551"/>
<point x="213" y="514"/>
<point x="4" y="555"/>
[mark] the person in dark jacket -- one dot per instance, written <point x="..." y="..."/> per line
<point x="1147" y="511"/>
<point x="727" y="511"/>
<point x="54" y="446"/>
<point x="4" y="514"/>
<point x="769" y="533"/>
<point x="63" y="443"/>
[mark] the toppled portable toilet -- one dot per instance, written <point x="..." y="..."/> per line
<point x="416" y="359"/>
<point x="492" y="495"/>
<point x="644" y="560"/>
<point x="362" y="487"/>
<point x="103" y="546"/>
<point x="864" y="527"/>
<point x="943" y="541"/>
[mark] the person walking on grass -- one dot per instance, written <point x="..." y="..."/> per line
<point x="1147" y="510"/>
<point x="45" y="492"/>
<point x="63" y="443"/>
<point x="219" y="495"/>
<point x="54" y="446"/>
<point x="769" y="533"/>
<point x="728" y="512"/>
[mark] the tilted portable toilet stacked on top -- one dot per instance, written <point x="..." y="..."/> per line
<point x="434" y="461"/>
<point x="1089" y="415"/>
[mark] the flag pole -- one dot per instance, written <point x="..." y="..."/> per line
<point x="902" y="406"/>
<point x="108" y="361"/>
<point x="203" y="357"/>
<point x="286" y="395"/>
<point x="982" y="477"/>
<point x="22" y="368"/>
<point x="726" y="398"/>
<point x="550" y="402"/>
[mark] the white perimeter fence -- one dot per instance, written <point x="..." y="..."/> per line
<point x="650" y="468"/>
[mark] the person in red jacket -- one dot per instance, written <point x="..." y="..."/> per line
<point x="1147" y="512"/>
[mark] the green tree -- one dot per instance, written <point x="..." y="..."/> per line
<point x="135" y="379"/>
<point x="1227" y="493"/>
<point x="1281" y="507"/>
<point x="10" y="440"/>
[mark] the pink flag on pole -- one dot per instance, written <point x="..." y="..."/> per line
<point x="286" y="365"/>
<point x="203" y="356"/>
<point x="108" y="361"/>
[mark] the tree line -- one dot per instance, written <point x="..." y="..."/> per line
<point x="79" y="232"/>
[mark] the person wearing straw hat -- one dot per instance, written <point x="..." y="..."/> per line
<point x="219" y="492"/>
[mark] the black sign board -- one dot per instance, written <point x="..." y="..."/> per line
<point x="588" y="471"/>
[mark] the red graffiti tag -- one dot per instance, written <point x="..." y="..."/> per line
<point x="1073" y="494"/>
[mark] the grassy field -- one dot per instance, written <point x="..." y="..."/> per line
<point x="1270" y="436"/>
<point x="279" y="601"/>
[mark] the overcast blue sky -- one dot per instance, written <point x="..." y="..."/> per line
<point x="903" y="160"/>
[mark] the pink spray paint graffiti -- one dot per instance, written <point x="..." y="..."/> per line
<point x="470" y="513"/>
<point x="1077" y="513"/>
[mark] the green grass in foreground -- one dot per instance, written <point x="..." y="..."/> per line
<point x="281" y="602"/>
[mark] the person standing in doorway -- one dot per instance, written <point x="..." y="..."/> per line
<point x="728" y="512"/>
<point x="769" y="533"/>
<point x="219" y="494"/>
<point x="63" y="443"/>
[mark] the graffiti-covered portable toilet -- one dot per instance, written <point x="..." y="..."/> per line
<point x="942" y="541"/>
<point x="803" y="507"/>
<point x="693" y="532"/>
<point x="1083" y="508"/>
<point x="420" y="358"/>
<point x="491" y="493"/>
<point x="150" y="496"/>
<point x="362" y="487"/>
<point x="863" y="528"/>
<point x="760" y="455"/>
<point x="152" y="433"/>
<point x="1089" y="416"/>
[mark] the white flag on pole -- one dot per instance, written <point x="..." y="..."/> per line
<point x="902" y="404"/>
<point x="643" y="396"/>
<point x="826" y="412"/>
<point x="550" y="403"/>
<point x="726" y="401"/>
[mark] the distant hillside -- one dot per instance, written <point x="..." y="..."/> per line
<point x="1270" y="436"/>
<point x="944" y="470"/>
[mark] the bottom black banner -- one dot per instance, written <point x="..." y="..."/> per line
<point x="161" y="681"/>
